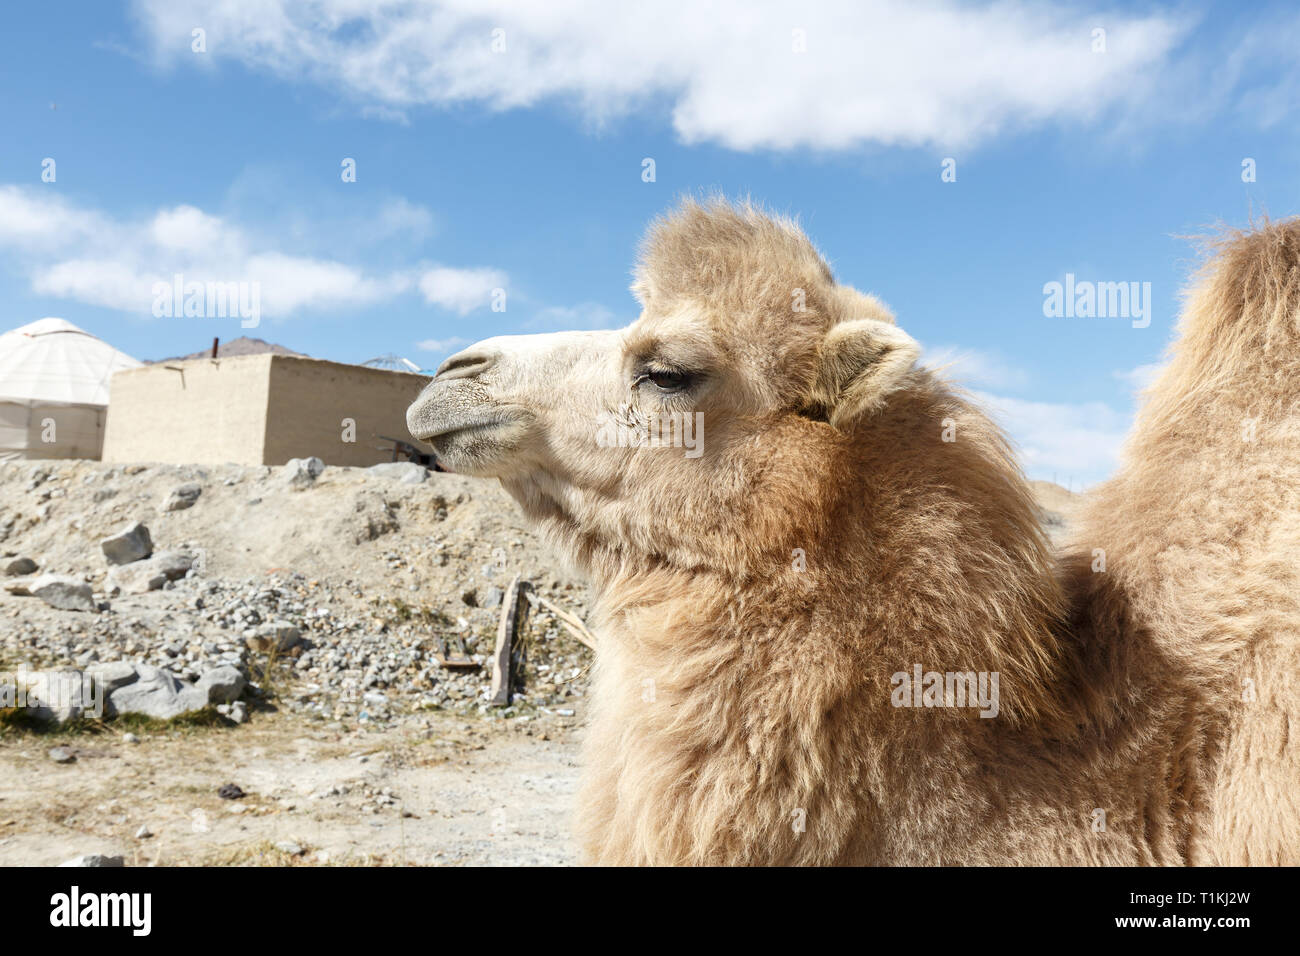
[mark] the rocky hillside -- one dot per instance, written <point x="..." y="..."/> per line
<point x="331" y="591"/>
<point x="328" y="591"/>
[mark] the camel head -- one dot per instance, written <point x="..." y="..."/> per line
<point x="745" y="348"/>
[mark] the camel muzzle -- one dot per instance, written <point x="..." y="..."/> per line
<point x="446" y="407"/>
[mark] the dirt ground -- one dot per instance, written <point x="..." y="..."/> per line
<point x="438" y="790"/>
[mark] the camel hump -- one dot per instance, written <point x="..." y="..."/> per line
<point x="1242" y="316"/>
<point x="1206" y="499"/>
<point x="1229" y="397"/>
<point x="1200" y="531"/>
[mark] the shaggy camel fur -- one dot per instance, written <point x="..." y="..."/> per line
<point x="847" y="520"/>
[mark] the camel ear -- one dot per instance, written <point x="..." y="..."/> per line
<point x="860" y="363"/>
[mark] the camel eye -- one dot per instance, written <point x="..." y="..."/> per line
<point x="667" y="381"/>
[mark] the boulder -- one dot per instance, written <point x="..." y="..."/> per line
<point x="112" y="675"/>
<point x="275" y="635"/>
<point x="138" y="579"/>
<point x="222" y="684"/>
<point x="132" y="543"/>
<point x="60" y="696"/>
<point x="183" y="496"/>
<point x="174" y="564"/>
<point x="156" y="693"/>
<point x="300" y="473"/>
<point x="150" y="575"/>
<point x="63" y="592"/>
<point x="404" y="472"/>
<point x="19" y="565"/>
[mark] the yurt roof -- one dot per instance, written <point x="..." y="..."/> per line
<point x="51" y="360"/>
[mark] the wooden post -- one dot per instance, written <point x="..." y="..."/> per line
<point x="514" y="610"/>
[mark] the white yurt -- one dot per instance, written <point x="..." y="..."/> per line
<point x="54" y="390"/>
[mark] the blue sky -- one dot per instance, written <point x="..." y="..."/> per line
<point x="521" y="169"/>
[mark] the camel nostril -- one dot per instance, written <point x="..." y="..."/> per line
<point x="466" y="365"/>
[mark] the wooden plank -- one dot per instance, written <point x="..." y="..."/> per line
<point x="454" y="661"/>
<point x="513" y="612"/>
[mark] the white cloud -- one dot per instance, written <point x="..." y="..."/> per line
<point x="1076" y="443"/>
<point x="400" y="217"/>
<point x="461" y="290"/>
<point x="442" y="345"/>
<point x="187" y="228"/>
<point x="555" y="318"/>
<point x="291" y="283"/>
<point x="87" y="256"/>
<point x="37" y="219"/>
<point x="112" y="283"/>
<point x="975" y="367"/>
<point x="888" y="72"/>
<point x="584" y="315"/>
<point x="1141" y="377"/>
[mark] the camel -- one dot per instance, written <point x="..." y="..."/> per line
<point x="807" y="548"/>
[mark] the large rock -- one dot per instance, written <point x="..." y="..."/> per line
<point x="274" y="636"/>
<point x="156" y="693"/>
<point x="19" y="565"/>
<point x="150" y="575"/>
<point x="300" y="473"/>
<point x="183" y="497"/>
<point x="222" y="684"/>
<point x="63" y="592"/>
<point x="174" y="564"/>
<point x="112" y="675"/>
<point x="60" y="696"/>
<point x="132" y="543"/>
<point x="405" y="472"/>
<point x="139" y="578"/>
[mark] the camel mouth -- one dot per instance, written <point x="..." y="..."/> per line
<point x="446" y="407"/>
<point x="470" y="433"/>
<point x="442" y="432"/>
<point x="480" y="449"/>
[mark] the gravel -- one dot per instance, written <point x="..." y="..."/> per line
<point x="334" y="604"/>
